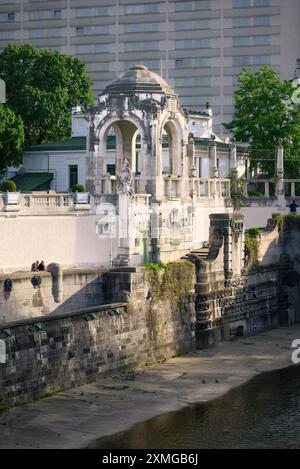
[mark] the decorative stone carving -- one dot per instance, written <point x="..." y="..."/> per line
<point x="125" y="180"/>
<point x="237" y="227"/>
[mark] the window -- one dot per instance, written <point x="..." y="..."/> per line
<point x="261" y="20"/>
<point x="241" y="41"/>
<point x="73" y="175"/>
<point x="100" y="47"/>
<point x="98" y="67"/>
<point x="151" y="45"/>
<point x="261" y="40"/>
<point x="151" y="8"/>
<point x="152" y="64"/>
<point x="7" y="34"/>
<point x="133" y="28"/>
<point x="241" y="3"/>
<point x="83" y="48"/>
<point x="191" y="43"/>
<point x="140" y="27"/>
<point x="192" y="81"/>
<point x="56" y="13"/>
<point x="140" y="46"/>
<point x="261" y="3"/>
<point x="180" y="63"/>
<point x="193" y="100"/>
<point x="45" y="14"/>
<point x="186" y="63"/>
<point x="261" y="60"/>
<point x="81" y="30"/>
<point x="54" y="32"/>
<point x="179" y="25"/>
<point x="241" y="60"/>
<point x="188" y="6"/>
<point x="146" y="8"/>
<point x="132" y="46"/>
<point x="240" y="22"/>
<point x="10" y="17"/>
<point x="101" y="29"/>
<point x="101" y="11"/>
<point x="36" y="15"/>
<point x="84" y="12"/>
<point x="85" y="30"/>
<point x="36" y="33"/>
<point x="151" y="27"/>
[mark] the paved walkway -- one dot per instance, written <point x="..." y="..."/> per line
<point x="75" y="418"/>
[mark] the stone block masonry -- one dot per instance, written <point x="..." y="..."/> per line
<point x="47" y="354"/>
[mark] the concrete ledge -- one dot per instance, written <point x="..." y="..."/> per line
<point x="54" y="317"/>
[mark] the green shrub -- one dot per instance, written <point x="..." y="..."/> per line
<point x="78" y="188"/>
<point x="255" y="194"/>
<point x="4" y="403"/>
<point x="251" y="248"/>
<point x="253" y="232"/>
<point x="170" y="281"/>
<point x="156" y="266"/>
<point x="9" y="186"/>
<point x="279" y="219"/>
<point x="292" y="216"/>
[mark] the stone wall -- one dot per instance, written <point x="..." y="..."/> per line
<point x="47" y="354"/>
<point x="260" y="295"/>
<point x="81" y="288"/>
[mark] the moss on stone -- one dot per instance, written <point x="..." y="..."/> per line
<point x="279" y="218"/>
<point x="252" y="247"/>
<point x="170" y="281"/>
<point x="4" y="403"/>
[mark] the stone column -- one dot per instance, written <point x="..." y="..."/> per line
<point x="232" y="155"/>
<point x="214" y="173"/>
<point x="279" y="173"/>
<point x="192" y="165"/>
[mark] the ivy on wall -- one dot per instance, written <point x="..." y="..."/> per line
<point x="170" y="281"/>
<point x="252" y="240"/>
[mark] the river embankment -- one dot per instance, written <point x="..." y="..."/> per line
<point x="77" y="417"/>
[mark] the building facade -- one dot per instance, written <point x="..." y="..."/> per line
<point x="198" y="46"/>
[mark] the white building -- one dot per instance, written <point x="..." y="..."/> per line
<point x="59" y="165"/>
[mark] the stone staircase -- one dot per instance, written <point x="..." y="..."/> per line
<point x="200" y="253"/>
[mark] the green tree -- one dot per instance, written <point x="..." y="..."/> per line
<point x="265" y="117"/>
<point x="11" y="138"/>
<point x="42" y="86"/>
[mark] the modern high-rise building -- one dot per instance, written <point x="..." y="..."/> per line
<point x="198" y="46"/>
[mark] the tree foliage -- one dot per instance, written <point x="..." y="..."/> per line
<point x="265" y="117"/>
<point x="42" y="86"/>
<point x="11" y="138"/>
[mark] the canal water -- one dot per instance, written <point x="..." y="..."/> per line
<point x="263" y="413"/>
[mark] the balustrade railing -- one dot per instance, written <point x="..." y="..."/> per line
<point x="174" y="187"/>
<point x="210" y="187"/>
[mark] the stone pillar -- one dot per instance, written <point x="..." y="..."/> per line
<point x="232" y="155"/>
<point x="231" y="227"/>
<point x="192" y="161"/>
<point x="57" y="281"/>
<point x="279" y="173"/>
<point x="214" y="173"/>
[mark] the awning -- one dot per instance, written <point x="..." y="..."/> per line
<point x="27" y="182"/>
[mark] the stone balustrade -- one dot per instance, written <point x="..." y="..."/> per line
<point x="213" y="187"/>
<point x="173" y="188"/>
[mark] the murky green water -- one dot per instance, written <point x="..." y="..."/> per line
<point x="264" y="413"/>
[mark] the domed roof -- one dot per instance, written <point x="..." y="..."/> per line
<point x="139" y="79"/>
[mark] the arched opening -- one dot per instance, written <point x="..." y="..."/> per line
<point x="111" y="156"/>
<point x="122" y="140"/>
<point x="240" y="331"/>
<point x="171" y="150"/>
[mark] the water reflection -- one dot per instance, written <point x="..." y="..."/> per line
<point x="265" y="413"/>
